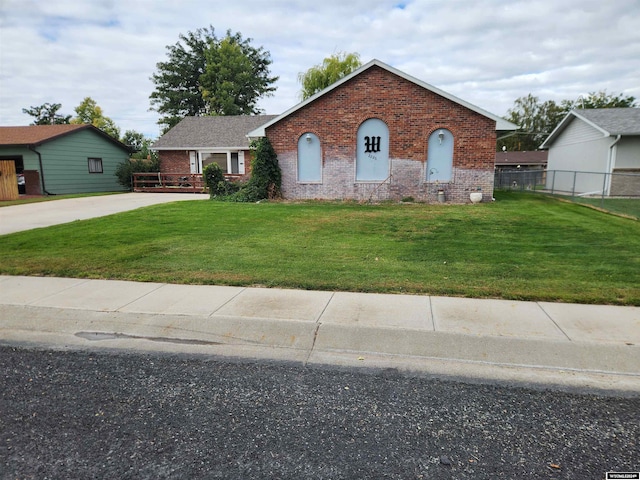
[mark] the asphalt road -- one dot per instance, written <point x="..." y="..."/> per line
<point x="97" y="414"/>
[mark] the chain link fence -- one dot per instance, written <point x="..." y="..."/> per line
<point x="571" y="183"/>
<point x="618" y="192"/>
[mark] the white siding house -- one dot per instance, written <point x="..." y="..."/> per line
<point x="596" y="143"/>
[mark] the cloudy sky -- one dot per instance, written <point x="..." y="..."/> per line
<point x="487" y="52"/>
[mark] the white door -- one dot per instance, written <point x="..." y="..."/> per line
<point x="241" y="163"/>
<point x="193" y="162"/>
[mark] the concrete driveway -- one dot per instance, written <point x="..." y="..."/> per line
<point x="17" y="218"/>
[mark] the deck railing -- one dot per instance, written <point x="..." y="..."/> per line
<point x="169" y="182"/>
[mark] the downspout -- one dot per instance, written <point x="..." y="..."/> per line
<point x="44" y="188"/>
<point x="610" y="162"/>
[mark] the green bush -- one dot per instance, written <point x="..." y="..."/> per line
<point x="219" y="186"/>
<point x="266" y="177"/>
<point x="125" y="170"/>
<point x="265" y="181"/>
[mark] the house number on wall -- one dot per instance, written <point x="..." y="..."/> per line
<point x="371" y="144"/>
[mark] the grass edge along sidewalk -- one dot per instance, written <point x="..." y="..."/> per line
<point x="521" y="247"/>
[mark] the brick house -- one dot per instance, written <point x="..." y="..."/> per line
<point x="380" y="134"/>
<point x="196" y="142"/>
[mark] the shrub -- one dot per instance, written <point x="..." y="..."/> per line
<point x="219" y="186"/>
<point x="125" y="170"/>
<point x="266" y="177"/>
<point x="265" y="181"/>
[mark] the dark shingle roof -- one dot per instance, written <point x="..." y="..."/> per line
<point x="616" y="121"/>
<point x="211" y="132"/>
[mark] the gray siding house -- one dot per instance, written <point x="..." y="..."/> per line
<point x="63" y="159"/>
<point x="602" y="145"/>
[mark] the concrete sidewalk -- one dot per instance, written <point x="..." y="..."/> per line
<point x="548" y="343"/>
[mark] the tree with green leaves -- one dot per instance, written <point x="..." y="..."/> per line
<point x="47" y="114"/>
<point x="177" y="93"/>
<point x="236" y="76"/>
<point x="89" y="112"/>
<point x="208" y="76"/>
<point x="141" y="145"/>
<point x="143" y="160"/>
<point x="602" y="99"/>
<point x="538" y="119"/>
<point x="331" y="70"/>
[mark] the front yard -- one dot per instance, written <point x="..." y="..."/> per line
<point x="522" y="246"/>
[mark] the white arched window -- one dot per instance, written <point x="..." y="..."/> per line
<point x="372" y="155"/>
<point x="309" y="158"/>
<point x="440" y="156"/>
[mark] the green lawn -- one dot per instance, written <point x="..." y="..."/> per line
<point x="622" y="206"/>
<point x="523" y="246"/>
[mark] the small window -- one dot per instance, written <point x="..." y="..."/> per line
<point x="95" y="165"/>
<point x="309" y="159"/>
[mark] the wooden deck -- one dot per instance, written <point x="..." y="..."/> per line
<point x="169" y="183"/>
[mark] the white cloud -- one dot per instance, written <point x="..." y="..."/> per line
<point x="489" y="53"/>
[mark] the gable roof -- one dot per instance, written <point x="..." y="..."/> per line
<point x="534" y="157"/>
<point x="609" y="121"/>
<point x="34" y="135"/>
<point x="501" y="123"/>
<point x="194" y="133"/>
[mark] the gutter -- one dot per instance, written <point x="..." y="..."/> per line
<point x="611" y="147"/>
<point x="611" y="162"/>
<point x="44" y="188"/>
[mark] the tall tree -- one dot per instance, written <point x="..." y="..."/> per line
<point x="236" y="76"/>
<point x="178" y="94"/>
<point x="89" y="112"/>
<point x="331" y="70"/>
<point x="207" y="76"/>
<point x="47" y="114"/>
<point x="536" y="120"/>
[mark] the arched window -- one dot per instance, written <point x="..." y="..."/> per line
<point x="372" y="155"/>
<point x="309" y="158"/>
<point x="440" y="156"/>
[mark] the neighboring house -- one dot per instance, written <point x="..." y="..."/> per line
<point x="196" y="142"/>
<point x="596" y="143"/>
<point x="536" y="160"/>
<point x="520" y="170"/>
<point x="62" y="159"/>
<point x="380" y="134"/>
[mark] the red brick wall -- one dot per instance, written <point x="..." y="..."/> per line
<point x="412" y="113"/>
<point x="174" y="161"/>
<point x="177" y="161"/>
